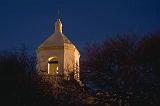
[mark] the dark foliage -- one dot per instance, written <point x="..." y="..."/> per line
<point x="17" y="79"/>
<point x="22" y="86"/>
<point x="125" y="65"/>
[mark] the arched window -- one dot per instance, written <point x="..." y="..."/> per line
<point x="53" y="65"/>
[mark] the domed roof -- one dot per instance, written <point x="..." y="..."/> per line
<point x="57" y="38"/>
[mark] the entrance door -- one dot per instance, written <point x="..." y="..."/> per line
<point x="53" y="65"/>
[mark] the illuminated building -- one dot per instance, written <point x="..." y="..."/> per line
<point x="57" y="55"/>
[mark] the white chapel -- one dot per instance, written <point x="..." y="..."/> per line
<point x="57" y="55"/>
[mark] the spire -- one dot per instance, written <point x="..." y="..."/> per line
<point x="58" y="24"/>
<point x="58" y="13"/>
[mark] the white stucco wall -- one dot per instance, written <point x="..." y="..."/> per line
<point x="71" y="56"/>
<point x="44" y="55"/>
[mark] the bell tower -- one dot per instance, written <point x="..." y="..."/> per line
<point x="57" y="55"/>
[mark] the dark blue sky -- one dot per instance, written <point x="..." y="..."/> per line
<point x="31" y="21"/>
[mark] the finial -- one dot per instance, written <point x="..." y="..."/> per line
<point x="58" y="24"/>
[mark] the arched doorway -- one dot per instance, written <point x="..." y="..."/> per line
<point x="53" y="65"/>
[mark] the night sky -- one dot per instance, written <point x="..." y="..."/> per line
<point x="30" y="22"/>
